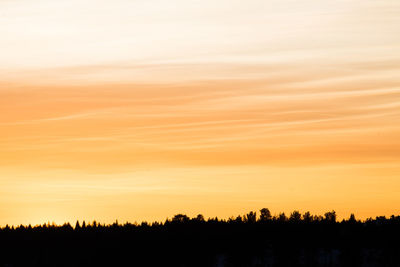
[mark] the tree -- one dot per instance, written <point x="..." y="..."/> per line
<point x="251" y="217"/>
<point x="295" y="216"/>
<point x="77" y="225"/>
<point x="180" y="218"/>
<point x="265" y="215"/>
<point x="282" y="217"/>
<point x="239" y="219"/>
<point x="352" y="218"/>
<point x="307" y="217"/>
<point x="156" y="224"/>
<point x="199" y="218"/>
<point x="67" y="226"/>
<point x="330" y="216"/>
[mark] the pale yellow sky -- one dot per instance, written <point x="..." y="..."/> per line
<point x="95" y="41"/>
<point x="137" y="110"/>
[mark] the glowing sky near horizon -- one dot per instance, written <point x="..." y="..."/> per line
<point x="138" y="110"/>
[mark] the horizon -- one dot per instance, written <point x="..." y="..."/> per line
<point x="276" y="217"/>
<point x="136" y="110"/>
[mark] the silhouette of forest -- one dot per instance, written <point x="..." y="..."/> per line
<point x="255" y="239"/>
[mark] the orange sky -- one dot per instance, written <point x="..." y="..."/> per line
<point x="135" y="110"/>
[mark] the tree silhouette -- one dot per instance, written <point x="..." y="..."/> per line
<point x="295" y="216"/>
<point x="239" y="219"/>
<point x="308" y="240"/>
<point x="307" y="217"/>
<point x="265" y="215"/>
<point x="282" y="217"/>
<point x="251" y="217"/>
<point x="330" y="216"/>
<point x="180" y="218"/>
<point x="199" y="218"/>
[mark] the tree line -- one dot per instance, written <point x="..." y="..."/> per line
<point x="263" y="216"/>
<point x="255" y="239"/>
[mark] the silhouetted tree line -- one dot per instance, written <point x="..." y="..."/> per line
<point x="254" y="239"/>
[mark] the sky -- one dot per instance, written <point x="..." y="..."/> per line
<point x="139" y="110"/>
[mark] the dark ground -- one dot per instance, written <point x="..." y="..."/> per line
<point x="279" y="241"/>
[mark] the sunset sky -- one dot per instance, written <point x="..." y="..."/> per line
<point x="140" y="109"/>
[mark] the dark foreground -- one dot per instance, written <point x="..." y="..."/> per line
<point x="245" y="241"/>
